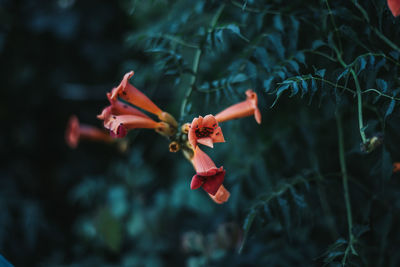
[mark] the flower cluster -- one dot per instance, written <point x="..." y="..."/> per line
<point x="126" y="112"/>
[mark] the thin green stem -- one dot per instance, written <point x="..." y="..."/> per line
<point x="345" y="188"/>
<point x="359" y="95"/>
<point x="385" y="39"/>
<point x="376" y="31"/>
<point x="195" y="64"/>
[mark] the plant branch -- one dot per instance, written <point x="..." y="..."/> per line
<point x="195" y="65"/>
<point x="345" y="189"/>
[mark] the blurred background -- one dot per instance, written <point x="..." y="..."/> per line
<point x="129" y="203"/>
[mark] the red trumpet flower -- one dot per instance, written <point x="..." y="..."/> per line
<point x="243" y="109"/>
<point x="205" y="131"/>
<point x="207" y="176"/>
<point x="76" y="131"/>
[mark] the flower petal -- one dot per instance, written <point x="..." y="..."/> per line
<point x="209" y="121"/>
<point x="217" y="136"/>
<point x="207" y="141"/>
<point x="202" y="163"/>
<point x="131" y="94"/>
<point x="72" y="132"/>
<point x="196" y="182"/>
<point x="394" y="6"/>
<point x="221" y="196"/>
<point x="212" y="183"/>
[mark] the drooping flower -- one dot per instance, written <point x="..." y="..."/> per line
<point x="131" y="94"/>
<point x="76" y="131"/>
<point x="394" y="6"/>
<point x="207" y="176"/>
<point x="120" y="124"/>
<point x="205" y="131"/>
<point x="242" y="109"/>
<point x="396" y="167"/>
<point x="221" y="196"/>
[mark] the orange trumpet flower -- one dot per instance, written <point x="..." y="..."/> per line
<point x="131" y="94"/>
<point x="243" y="109"/>
<point x="205" y="131"/>
<point x="120" y="124"/>
<point x="117" y="107"/>
<point x="76" y="131"/>
<point x="207" y="176"/>
<point x="394" y="6"/>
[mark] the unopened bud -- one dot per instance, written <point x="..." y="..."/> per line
<point x="185" y="128"/>
<point x="174" y="147"/>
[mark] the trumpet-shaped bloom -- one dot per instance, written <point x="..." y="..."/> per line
<point x="205" y="131"/>
<point x="207" y="176"/>
<point x="131" y="94"/>
<point x="221" y="196"/>
<point x="394" y="6"/>
<point x="243" y="109"/>
<point x="396" y="167"/>
<point x="76" y="131"/>
<point x="120" y="124"/>
<point x="117" y="107"/>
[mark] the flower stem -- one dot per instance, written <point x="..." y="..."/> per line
<point x="345" y="188"/>
<point x="196" y="62"/>
<point x="359" y="96"/>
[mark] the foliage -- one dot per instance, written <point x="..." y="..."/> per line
<point x="313" y="185"/>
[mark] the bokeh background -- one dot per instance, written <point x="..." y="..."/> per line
<point x="129" y="203"/>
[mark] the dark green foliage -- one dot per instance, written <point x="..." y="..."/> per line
<point x="312" y="63"/>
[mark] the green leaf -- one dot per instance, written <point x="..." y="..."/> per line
<point x="234" y="29"/>
<point x="390" y="108"/>
<point x="280" y="90"/>
<point x="341" y="75"/>
<point x="246" y="227"/>
<point x="267" y="84"/>
<point x="320" y="73"/>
